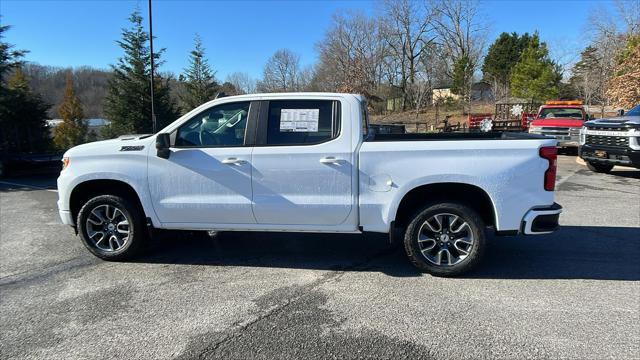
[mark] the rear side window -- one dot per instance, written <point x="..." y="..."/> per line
<point x="300" y="122"/>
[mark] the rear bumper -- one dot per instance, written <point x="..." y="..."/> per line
<point x="541" y="220"/>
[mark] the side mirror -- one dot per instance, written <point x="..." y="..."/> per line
<point x="163" y="143"/>
<point x="621" y="112"/>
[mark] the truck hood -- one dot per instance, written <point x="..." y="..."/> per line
<point x="560" y="122"/>
<point x="618" y="121"/>
<point x="120" y="145"/>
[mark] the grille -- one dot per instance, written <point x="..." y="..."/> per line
<point x="610" y="141"/>
<point x="607" y="128"/>
<point x="554" y="131"/>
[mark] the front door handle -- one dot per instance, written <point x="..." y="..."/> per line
<point x="233" y="161"/>
<point x="329" y="160"/>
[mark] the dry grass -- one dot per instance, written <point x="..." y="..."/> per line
<point x="429" y="118"/>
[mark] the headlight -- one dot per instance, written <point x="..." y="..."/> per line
<point x="535" y="129"/>
<point x="583" y="136"/>
<point x="65" y="162"/>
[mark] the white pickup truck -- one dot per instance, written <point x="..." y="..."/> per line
<point x="306" y="162"/>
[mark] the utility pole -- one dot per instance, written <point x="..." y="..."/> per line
<point x="153" y="113"/>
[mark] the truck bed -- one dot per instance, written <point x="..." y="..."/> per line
<point x="494" y="135"/>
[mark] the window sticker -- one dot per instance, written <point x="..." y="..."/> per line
<point x="299" y="120"/>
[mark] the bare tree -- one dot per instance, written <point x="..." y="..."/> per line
<point x="608" y="41"/>
<point x="629" y="12"/>
<point x="462" y="35"/>
<point x="349" y="55"/>
<point x="281" y="72"/>
<point x="407" y="27"/>
<point x="242" y="82"/>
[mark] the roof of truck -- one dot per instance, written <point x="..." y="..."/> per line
<point x="292" y="94"/>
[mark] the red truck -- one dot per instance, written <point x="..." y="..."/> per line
<point x="561" y="120"/>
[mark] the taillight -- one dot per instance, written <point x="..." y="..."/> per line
<point x="65" y="163"/>
<point x="550" y="153"/>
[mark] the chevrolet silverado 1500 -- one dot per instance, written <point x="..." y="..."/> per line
<point x="307" y="162"/>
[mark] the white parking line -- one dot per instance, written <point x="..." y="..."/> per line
<point x="29" y="186"/>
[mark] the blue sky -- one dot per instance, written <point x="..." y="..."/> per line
<point x="241" y="35"/>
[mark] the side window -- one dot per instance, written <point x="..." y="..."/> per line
<point x="222" y="125"/>
<point x="299" y="122"/>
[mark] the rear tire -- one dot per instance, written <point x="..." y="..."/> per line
<point x="599" y="168"/>
<point x="445" y="239"/>
<point x="111" y="227"/>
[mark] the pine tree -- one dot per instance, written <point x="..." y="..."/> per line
<point x="73" y="129"/>
<point x="200" y="84"/>
<point x="501" y="57"/>
<point x="128" y="101"/>
<point x="9" y="57"/>
<point x="535" y="76"/>
<point x="23" y="117"/>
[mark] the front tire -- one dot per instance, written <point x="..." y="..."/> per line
<point x="599" y="168"/>
<point x="445" y="239"/>
<point x="111" y="227"/>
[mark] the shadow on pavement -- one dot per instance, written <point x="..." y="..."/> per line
<point x="573" y="252"/>
<point x="634" y="174"/>
<point x="29" y="183"/>
<point x="369" y="252"/>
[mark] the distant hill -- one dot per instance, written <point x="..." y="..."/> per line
<point x="90" y="85"/>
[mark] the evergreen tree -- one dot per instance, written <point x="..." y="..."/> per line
<point x="73" y="129"/>
<point x="462" y="76"/>
<point x="200" y="85"/>
<point x="128" y="101"/>
<point x="501" y="57"/>
<point x="535" y="76"/>
<point x="23" y="117"/>
<point x="9" y="57"/>
<point x="462" y="79"/>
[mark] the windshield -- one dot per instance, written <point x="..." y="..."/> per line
<point x="635" y="111"/>
<point x="551" y="113"/>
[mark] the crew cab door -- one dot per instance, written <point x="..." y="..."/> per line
<point x="302" y="164"/>
<point x="207" y="177"/>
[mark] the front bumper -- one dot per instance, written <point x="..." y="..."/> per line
<point x="615" y="156"/>
<point x="570" y="138"/>
<point x="66" y="217"/>
<point x="569" y="143"/>
<point x="541" y="220"/>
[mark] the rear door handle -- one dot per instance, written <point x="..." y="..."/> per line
<point x="329" y="160"/>
<point x="233" y="161"/>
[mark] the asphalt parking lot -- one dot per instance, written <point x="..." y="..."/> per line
<point x="572" y="294"/>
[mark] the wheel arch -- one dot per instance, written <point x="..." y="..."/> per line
<point x="86" y="190"/>
<point x="464" y="193"/>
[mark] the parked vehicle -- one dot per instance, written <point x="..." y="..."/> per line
<point x="20" y="164"/>
<point x="561" y="120"/>
<point x="613" y="141"/>
<point x="308" y="162"/>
